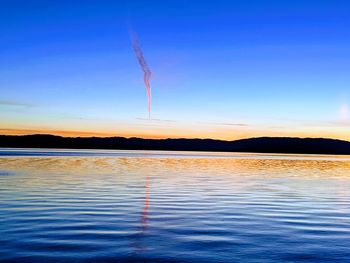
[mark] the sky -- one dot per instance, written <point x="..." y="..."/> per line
<point x="220" y="69"/>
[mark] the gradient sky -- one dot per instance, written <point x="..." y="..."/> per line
<point x="221" y="69"/>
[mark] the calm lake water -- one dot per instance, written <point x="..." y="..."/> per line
<point x="149" y="206"/>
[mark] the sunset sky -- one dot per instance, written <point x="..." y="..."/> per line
<point x="220" y="69"/>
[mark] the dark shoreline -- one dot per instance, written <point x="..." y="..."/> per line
<point x="257" y="145"/>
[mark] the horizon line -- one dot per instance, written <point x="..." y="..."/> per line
<point x="171" y="138"/>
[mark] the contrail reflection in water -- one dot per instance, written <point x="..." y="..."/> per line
<point x="146" y="206"/>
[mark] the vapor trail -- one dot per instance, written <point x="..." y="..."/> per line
<point x="144" y="66"/>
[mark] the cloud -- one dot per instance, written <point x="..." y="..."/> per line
<point x="233" y="124"/>
<point x="80" y="118"/>
<point x="55" y="132"/>
<point x="226" y="124"/>
<point x="159" y="120"/>
<point x="326" y="124"/>
<point x="14" y="103"/>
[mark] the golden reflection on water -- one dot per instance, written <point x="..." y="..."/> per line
<point x="123" y="174"/>
<point x="94" y="166"/>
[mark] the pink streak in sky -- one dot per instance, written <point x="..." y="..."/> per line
<point x="146" y="70"/>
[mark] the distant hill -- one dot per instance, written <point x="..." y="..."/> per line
<point x="260" y="145"/>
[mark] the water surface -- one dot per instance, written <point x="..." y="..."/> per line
<point x="155" y="206"/>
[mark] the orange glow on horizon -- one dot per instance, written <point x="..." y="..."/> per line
<point x="196" y="132"/>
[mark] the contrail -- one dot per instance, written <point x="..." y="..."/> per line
<point x="146" y="70"/>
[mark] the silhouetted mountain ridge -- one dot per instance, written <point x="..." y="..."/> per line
<point x="260" y="144"/>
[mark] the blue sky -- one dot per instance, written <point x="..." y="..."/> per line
<point x="221" y="69"/>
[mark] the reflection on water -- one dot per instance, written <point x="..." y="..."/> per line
<point x="145" y="209"/>
<point x="123" y="206"/>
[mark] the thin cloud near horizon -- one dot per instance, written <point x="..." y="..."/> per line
<point x="226" y="124"/>
<point x="16" y="103"/>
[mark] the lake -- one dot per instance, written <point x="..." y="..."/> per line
<point x="158" y="206"/>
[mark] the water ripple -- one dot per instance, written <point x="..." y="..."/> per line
<point x="167" y="207"/>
